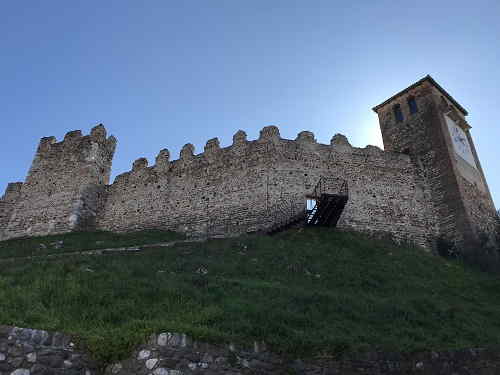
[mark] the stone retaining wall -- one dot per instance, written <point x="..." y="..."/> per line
<point x="177" y="354"/>
<point x="26" y="351"/>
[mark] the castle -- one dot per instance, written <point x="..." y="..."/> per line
<point x="428" y="183"/>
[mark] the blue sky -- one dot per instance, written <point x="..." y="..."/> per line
<point x="164" y="73"/>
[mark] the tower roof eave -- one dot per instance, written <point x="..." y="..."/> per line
<point x="419" y="82"/>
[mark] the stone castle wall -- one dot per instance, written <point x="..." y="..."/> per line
<point x="418" y="189"/>
<point x="222" y="191"/>
<point x="233" y="190"/>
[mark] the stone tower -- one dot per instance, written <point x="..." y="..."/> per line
<point x="426" y="123"/>
<point x="64" y="187"/>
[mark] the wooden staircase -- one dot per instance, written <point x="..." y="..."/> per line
<point x="331" y="196"/>
<point x="327" y="211"/>
<point x="285" y="214"/>
<point x="297" y="220"/>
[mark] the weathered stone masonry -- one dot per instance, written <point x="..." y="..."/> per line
<point x="238" y="184"/>
<point x="8" y="202"/>
<point x="177" y="354"/>
<point x="64" y="186"/>
<point x="464" y="209"/>
<point x="415" y="190"/>
<point x="223" y="189"/>
<point x="25" y="351"/>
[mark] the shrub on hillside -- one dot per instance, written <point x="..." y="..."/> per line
<point x="485" y="254"/>
<point x="497" y="231"/>
<point x="446" y="248"/>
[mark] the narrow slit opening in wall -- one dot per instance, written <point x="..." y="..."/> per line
<point x="310" y="206"/>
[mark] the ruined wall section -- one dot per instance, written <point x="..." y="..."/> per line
<point x="64" y="186"/>
<point x="233" y="190"/>
<point x="7" y="204"/>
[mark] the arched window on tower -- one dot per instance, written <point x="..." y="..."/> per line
<point x="397" y="113"/>
<point x="412" y="105"/>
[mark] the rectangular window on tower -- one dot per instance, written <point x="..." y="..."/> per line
<point x="397" y="113"/>
<point x="412" y="105"/>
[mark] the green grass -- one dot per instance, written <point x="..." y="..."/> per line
<point x="302" y="292"/>
<point x="80" y="241"/>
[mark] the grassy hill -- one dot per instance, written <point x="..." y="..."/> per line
<point x="303" y="292"/>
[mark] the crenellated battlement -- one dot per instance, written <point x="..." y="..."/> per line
<point x="97" y="134"/>
<point x="74" y="142"/>
<point x="214" y="153"/>
<point x="76" y="152"/>
<point x="269" y="133"/>
<point x="12" y="192"/>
